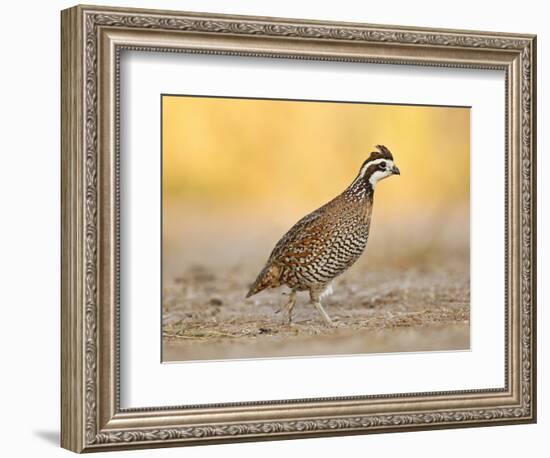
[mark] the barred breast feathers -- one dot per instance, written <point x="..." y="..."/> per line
<point x="320" y="246"/>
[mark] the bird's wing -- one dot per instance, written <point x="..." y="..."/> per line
<point x="296" y="243"/>
<point x="303" y="239"/>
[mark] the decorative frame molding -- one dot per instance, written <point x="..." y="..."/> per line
<point x="92" y="39"/>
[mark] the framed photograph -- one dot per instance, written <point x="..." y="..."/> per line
<point x="227" y="272"/>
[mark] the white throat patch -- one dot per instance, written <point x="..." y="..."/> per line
<point x="377" y="176"/>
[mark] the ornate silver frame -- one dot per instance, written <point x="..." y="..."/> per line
<point x="92" y="39"/>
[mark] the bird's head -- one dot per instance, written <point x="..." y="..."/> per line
<point x="378" y="166"/>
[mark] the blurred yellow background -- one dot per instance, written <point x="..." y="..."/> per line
<point x="238" y="173"/>
<point x="240" y="152"/>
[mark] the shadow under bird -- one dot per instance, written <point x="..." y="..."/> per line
<point x="326" y="242"/>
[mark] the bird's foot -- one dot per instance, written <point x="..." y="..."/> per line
<point x="331" y="324"/>
<point x="324" y="314"/>
<point x="287" y="321"/>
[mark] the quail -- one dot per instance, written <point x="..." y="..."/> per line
<point x="327" y="241"/>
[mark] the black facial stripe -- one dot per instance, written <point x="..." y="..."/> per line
<point x="370" y="170"/>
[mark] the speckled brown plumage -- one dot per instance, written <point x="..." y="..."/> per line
<point x="326" y="242"/>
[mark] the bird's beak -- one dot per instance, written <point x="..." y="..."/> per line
<point x="395" y="170"/>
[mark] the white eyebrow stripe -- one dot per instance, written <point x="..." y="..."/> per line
<point x="376" y="161"/>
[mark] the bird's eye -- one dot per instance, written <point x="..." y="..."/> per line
<point x="382" y="166"/>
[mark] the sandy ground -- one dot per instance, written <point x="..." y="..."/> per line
<point x="342" y="342"/>
<point x="389" y="301"/>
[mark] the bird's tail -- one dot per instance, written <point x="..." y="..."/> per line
<point x="268" y="278"/>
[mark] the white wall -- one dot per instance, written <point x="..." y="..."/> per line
<point x="29" y="224"/>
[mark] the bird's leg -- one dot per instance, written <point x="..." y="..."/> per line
<point x="290" y="305"/>
<point x="321" y="310"/>
<point x="316" y="300"/>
